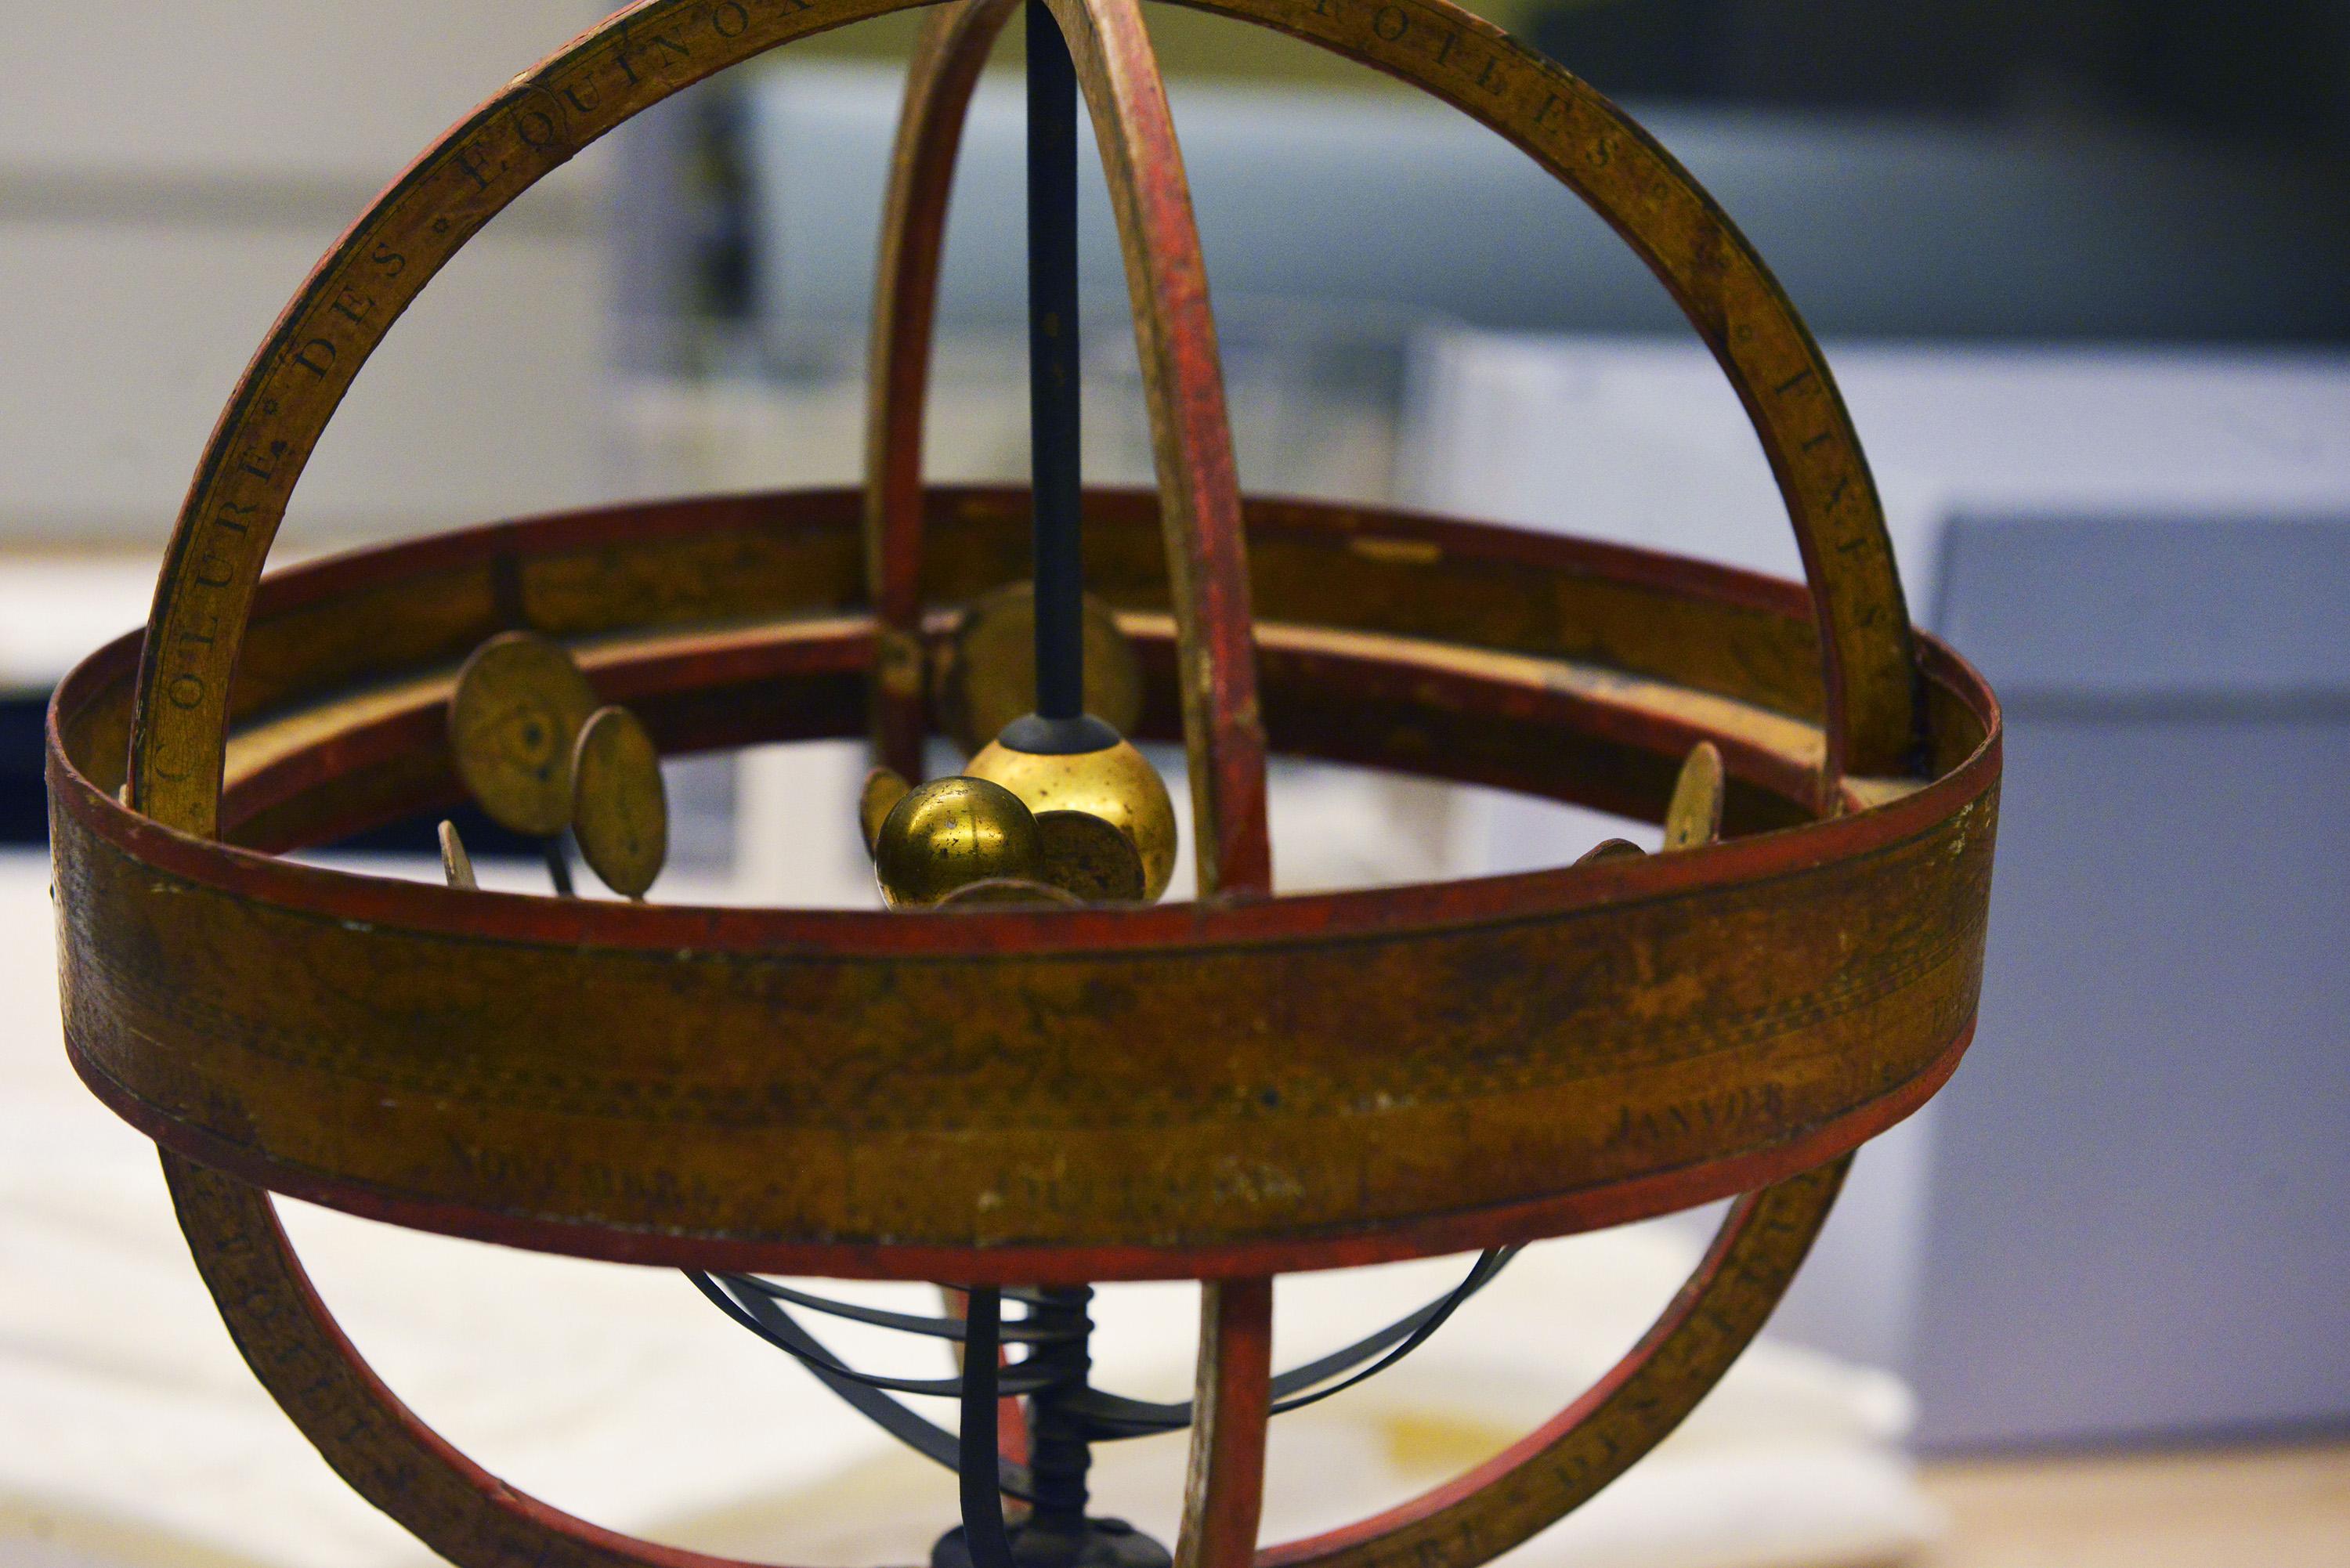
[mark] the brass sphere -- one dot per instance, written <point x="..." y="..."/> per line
<point x="948" y="834"/>
<point x="1117" y="783"/>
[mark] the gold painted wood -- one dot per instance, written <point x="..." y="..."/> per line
<point x="270" y="1025"/>
<point x="1358" y="664"/>
<point x="267" y="1010"/>
<point x="1223" y="1492"/>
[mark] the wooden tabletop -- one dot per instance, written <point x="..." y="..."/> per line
<point x="2278" y="1508"/>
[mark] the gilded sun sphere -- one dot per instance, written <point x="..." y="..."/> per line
<point x="1117" y="783"/>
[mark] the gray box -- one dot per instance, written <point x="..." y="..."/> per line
<point x="2135" y="1226"/>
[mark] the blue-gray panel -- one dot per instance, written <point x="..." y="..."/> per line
<point x="2139" y="1179"/>
<point x="1877" y="226"/>
<point x="2085" y="613"/>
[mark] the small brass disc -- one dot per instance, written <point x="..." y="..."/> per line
<point x="1694" y="817"/>
<point x="1090" y="858"/>
<point x="1009" y="890"/>
<point x="948" y="834"/>
<point x="1610" y="849"/>
<point x="455" y="864"/>
<point x="989" y="675"/>
<point x="518" y="708"/>
<point x="619" y="812"/>
<point x="1116" y="784"/>
<point x="884" y="788"/>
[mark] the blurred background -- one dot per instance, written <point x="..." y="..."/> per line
<point x="2079" y="266"/>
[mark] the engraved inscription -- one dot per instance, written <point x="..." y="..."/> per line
<point x="1713" y="1119"/>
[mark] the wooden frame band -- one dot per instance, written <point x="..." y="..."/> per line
<point x="658" y="628"/>
<point x="1640" y="1056"/>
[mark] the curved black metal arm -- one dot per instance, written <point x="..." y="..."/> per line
<point x="1112" y="1416"/>
<point x="978" y="1461"/>
<point x="766" y="1317"/>
<point x="906" y="1322"/>
<point x="756" y="1304"/>
<point x="927" y="1438"/>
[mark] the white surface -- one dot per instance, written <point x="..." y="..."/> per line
<point x="55" y="610"/>
<point x="135" y="1435"/>
<point x="484" y="401"/>
<point x="167" y="181"/>
<point x="265" y="87"/>
<point x="1643" y="441"/>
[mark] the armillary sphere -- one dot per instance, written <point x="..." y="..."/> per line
<point x="1023" y="1076"/>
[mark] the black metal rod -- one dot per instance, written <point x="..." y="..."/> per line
<point x="559" y="863"/>
<point x="1054" y="465"/>
<point x="984" y="1533"/>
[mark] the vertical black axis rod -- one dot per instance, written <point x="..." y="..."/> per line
<point x="1059" y="1452"/>
<point x="1053" y="366"/>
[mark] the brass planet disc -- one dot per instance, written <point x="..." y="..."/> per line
<point x="619" y="812"/>
<point x="1089" y="857"/>
<point x="997" y="891"/>
<point x="884" y="788"/>
<point x="989" y="675"/>
<point x="1693" y="817"/>
<point x="456" y="865"/>
<point x="518" y="707"/>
